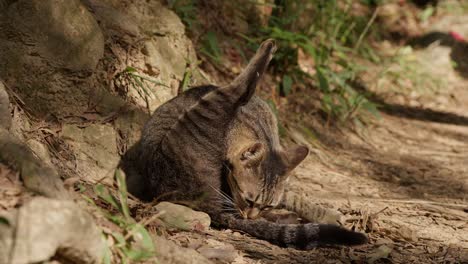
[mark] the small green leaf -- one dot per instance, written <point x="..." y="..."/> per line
<point x="107" y="254"/>
<point x="211" y="46"/>
<point x="186" y="79"/>
<point x="104" y="194"/>
<point x="122" y="193"/>
<point x="4" y="221"/>
<point x="143" y="246"/>
<point x="117" y="219"/>
<point x="371" y="108"/>
<point x="323" y="82"/>
<point x="120" y="239"/>
<point x="129" y="69"/>
<point x="426" y="13"/>
<point x="309" y="49"/>
<point x="287" y="84"/>
<point x="327" y="103"/>
<point x="81" y="187"/>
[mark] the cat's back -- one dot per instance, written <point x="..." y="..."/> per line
<point x="166" y="115"/>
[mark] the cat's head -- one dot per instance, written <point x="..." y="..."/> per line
<point x="259" y="165"/>
<point x="258" y="175"/>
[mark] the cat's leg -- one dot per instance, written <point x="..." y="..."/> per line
<point x="310" y="212"/>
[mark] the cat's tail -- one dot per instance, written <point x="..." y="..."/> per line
<point x="300" y="236"/>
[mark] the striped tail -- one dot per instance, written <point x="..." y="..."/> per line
<point x="300" y="236"/>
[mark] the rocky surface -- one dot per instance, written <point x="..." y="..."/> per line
<point x="45" y="228"/>
<point x="182" y="217"/>
<point x="5" y="115"/>
<point x="95" y="149"/>
<point x="169" y="252"/>
<point x="84" y="76"/>
<point x="42" y="43"/>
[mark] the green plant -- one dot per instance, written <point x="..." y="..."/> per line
<point x="186" y="10"/>
<point x="333" y="39"/>
<point x="210" y="47"/>
<point x="130" y="77"/>
<point x="426" y="13"/>
<point x="455" y="7"/>
<point x="408" y="74"/>
<point x="133" y="242"/>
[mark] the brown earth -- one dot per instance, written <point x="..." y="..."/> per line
<point x="403" y="179"/>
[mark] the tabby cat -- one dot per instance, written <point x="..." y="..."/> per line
<point x="219" y="148"/>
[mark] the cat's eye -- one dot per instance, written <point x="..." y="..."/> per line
<point x="267" y="207"/>
<point x="249" y="202"/>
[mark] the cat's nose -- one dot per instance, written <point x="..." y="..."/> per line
<point x="252" y="213"/>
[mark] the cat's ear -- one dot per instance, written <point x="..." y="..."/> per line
<point x="213" y="112"/>
<point x="296" y="155"/>
<point x="244" y="85"/>
<point x="253" y="154"/>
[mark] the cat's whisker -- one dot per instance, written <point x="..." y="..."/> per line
<point x="223" y="194"/>
<point x="224" y="200"/>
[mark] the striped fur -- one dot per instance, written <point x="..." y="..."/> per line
<point x="218" y="147"/>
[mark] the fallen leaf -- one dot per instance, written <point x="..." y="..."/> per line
<point x="379" y="253"/>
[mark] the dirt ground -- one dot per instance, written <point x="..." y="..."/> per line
<point x="403" y="180"/>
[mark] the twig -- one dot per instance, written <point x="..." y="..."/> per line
<point x="364" y="32"/>
<point x="376" y="213"/>
<point x="151" y="219"/>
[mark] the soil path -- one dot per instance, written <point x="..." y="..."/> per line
<point x="404" y="181"/>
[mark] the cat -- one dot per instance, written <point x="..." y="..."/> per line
<point x="219" y="148"/>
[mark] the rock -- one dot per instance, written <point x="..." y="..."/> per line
<point x="164" y="53"/>
<point x="167" y="50"/>
<point x="182" y="217"/>
<point x="5" y="115"/>
<point x="40" y="151"/>
<point x="129" y="125"/>
<point x="95" y="148"/>
<point x="381" y="252"/>
<point x="36" y="175"/>
<point x="407" y="233"/>
<point x="19" y="123"/>
<point x="218" y="250"/>
<point x="51" y="50"/>
<point x="48" y="49"/>
<point x="62" y="32"/>
<point x="44" y="228"/>
<point x="170" y="253"/>
<point x="112" y="19"/>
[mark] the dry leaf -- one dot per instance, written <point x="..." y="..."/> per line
<point x="379" y="253"/>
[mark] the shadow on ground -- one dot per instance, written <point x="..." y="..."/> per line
<point x="459" y="47"/>
<point x="410" y="112"/>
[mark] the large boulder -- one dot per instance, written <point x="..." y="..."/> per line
<point x="161" y="52"/>
<point x="47" y="50"/>
<point x="44" y="228"/>
<point x="182" y="217"/>
<point x="95" y="149"/>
